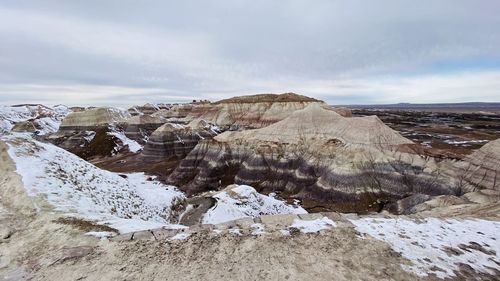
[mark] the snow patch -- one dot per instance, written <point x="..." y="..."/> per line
<point x="180" y="236"/>
<point x="100" y="234"/>
<point x="258" y="229"/>
<point x="241" y="201"/>
<point x="236" y="232"/>
<point x="438" y="246"/>
<point x="312" y="226"/>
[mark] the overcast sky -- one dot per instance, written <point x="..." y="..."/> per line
<point x="125" y="52"/>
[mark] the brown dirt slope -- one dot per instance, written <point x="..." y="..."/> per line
<point x="286" y="97"/>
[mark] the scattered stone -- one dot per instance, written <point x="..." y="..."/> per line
<point x="311" y="217"/>
<point x="122" y="237"/>
<point x="143" y="235"/>
<point x="164" y="234"/>
<point x="350" y="216"/>
<point x="274" y="221"/>
<point x="244" y="222"/>
<point x="225" y="225"/>
<point x="201" y="228"/>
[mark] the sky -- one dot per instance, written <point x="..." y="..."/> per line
<point x="124" y="52"/>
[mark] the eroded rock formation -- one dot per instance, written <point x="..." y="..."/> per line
<point x="481" y="169"/>
<point x="101" y="116"/>
<point x="92" y="132"/>
<point x="176" y="140"/>
<point x="316" y="155"/>
<point x="254" y="111"/>
<point x="140" y="127"/>
<point x="146" y="109"/>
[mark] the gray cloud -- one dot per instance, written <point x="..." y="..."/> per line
<point x="123" y="52"/>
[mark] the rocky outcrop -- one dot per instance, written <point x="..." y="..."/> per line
<point x="255" y="111"/>
<point x="481" y="169"/>
<point x="322" y="127"/>
<point x="140" y="127"/>
<point x="95" y="117"/>
<point x="176" y="111"/>
<point x="315" y="155"/>
<point x="146" y="109"/>
<point x="175" y="140"/>
<point x="94" y="132"/>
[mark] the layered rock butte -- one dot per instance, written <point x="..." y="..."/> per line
<point x="140" y="127"/>
<point x="175" y="140"/>
<point x="314" y="154"/>
<point x="254" y="111"/>
<point x="85" y="133"/>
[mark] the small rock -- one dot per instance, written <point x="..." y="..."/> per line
<point x="244" y="222"/>
<point x="310" y="217"/>
<point x="122" y="237"/>
<point x="272" y="221"/>
<point x="143" y="235"/>
<point x="6" y="233"/>
<point x="163" y="234"/>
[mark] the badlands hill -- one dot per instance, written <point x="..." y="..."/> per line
<point x="482" y="168"/>
<point x="286" y="97"/>
<point x="255" y="111"/>
<point x="140" y="127"/>
<point x="101" y="116"/>
<point x="316" y="155"/>
<point x="175" y="140"/>
<point x="98" y="132"/>
<point x="321" y="125"/>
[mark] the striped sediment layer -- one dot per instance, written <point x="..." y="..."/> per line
<point x="316" y="155"/>
<point x="140" y="127"/>
<point x="175" y="140"/>
<point x="368" y="186"/>
<point x="87" y="133"/>
<point x="255" y="111"/>
<point x="95" y="117"/>
<point x="321" y="126"/>
<point x="481" y="169"/>
<point x="146" y="109"/>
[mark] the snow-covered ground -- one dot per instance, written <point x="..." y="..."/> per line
<point x="311" y="226"/>
<point x="241" y="201"/>
<point x="45" y="119"/>
<point x="439" y="246"/>
<point x="80" y="189"/>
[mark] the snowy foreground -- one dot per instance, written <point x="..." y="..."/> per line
<point x="439" y="246"/>
<point x="78" y="188"/>
<point x="131" y="202"/>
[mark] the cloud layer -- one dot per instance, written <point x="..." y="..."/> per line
<point x="345" y="52"/>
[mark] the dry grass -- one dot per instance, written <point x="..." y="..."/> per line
<point x="84" y="225"/>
